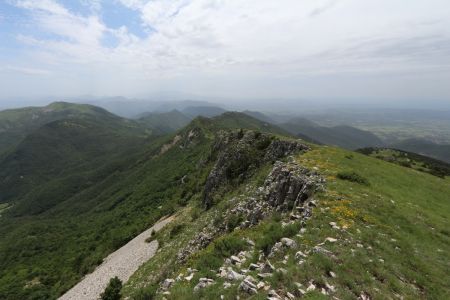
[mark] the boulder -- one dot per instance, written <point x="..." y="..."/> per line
<point x="202" y="283"/>
<point x="248" y="287"/>
<point x="288" y="242"/>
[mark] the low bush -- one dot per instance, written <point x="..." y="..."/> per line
<point x="353" y="177"/>
<point x="220" y="249"/>
<point x="112" y="291"/>
<point x="176" y="230"/>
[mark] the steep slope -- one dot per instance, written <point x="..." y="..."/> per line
<point x="374" y="231"/>
<point x="90" y="213"/>
<point x="343" y="136"/>
<point x="425" y="147"/>
<point x="16" y="124"/>
<point x="62" y="153"/>
<point x="166" y="122"/>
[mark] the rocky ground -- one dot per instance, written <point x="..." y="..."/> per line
<point x="121" y="263"/>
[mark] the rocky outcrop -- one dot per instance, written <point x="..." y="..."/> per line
<point x="289" y="185"/>
<point x="287" y="188"/>
<point x="239" y="153"/>
<point x="281" y="148"/>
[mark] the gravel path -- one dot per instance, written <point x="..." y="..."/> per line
<point x="121" y="263"/>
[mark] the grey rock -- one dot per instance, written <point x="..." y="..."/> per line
<point x="248" y="287"/>
<point x="288" y="242"/>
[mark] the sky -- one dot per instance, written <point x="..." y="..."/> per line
<point x="227" y="49"/>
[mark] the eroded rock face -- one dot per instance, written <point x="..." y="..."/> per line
<point x="279" y="148"/>
<point x="289" y="185"/>
<point x="240" y="153"/>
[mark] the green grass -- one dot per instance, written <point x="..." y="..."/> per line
<point x="394" y="239"/>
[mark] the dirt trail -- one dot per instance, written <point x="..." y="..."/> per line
<point x="121" y="263"/>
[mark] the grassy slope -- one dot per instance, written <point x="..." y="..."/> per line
<point x="400" y="221"/>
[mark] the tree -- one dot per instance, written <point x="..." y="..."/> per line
<point x="112" y="291"/>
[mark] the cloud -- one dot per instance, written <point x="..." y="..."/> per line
<point x="321" y="9"/>
<point x="25" y="70"/>
<point x="249" y="41"/>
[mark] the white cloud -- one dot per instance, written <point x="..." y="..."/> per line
<point x="25" y="70"/>
<point x="249" y="41"/>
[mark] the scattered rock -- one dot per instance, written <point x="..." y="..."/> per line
<point x="235" y="259"/>
<point x="331" y="240"/>
<point x="232" y="275"/>
<point x="167" y="283"/>
<point x="248" y="286"/>
<point x="273" y="294"/>
<point x="268" y="267"/>
<point x="318" y="249"/>
<point x="202" y="283"/>
<point x="264" y="275"/>
<point x="300" y="254"/>
<point x="311" y="287"/>
<point x="334" y="225"/>
<point x="260" y="285"/>
<point x="288" y="242"/>
<point x="290" y="296"/>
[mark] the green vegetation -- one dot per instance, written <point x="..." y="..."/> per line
<point x="352" y="176"/>
<point x="92" y="184"/>
<point x="392" y="239"/>
<point x="112" y="291"/>
<point x="410" y="160"/>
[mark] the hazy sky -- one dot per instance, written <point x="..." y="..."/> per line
<point x="226" y="48"/>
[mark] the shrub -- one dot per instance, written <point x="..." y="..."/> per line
<point x="147" y="293"/>
<point x="112" y="291"/>
<point x="234" y="222"/>
<point x="176" y="230"/>
<point x="229" y="245"/>
<point x="221" y="248"/>
<point x="274" y="232"/>
<point x="353" y="177"/>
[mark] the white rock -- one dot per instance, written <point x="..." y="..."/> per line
<point x="300" y="254"/>
<point x="167" y="283"/>
<point x="189" y="278"/>
<point x="254" y="267"/>
<point x="235" y="259"/>
<point x="311" y="287"/>
<point x="331" y="240"/>
<point x="232" y="275"/>
<point x="288" y="242"/>
<point x="332" y="274"/>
